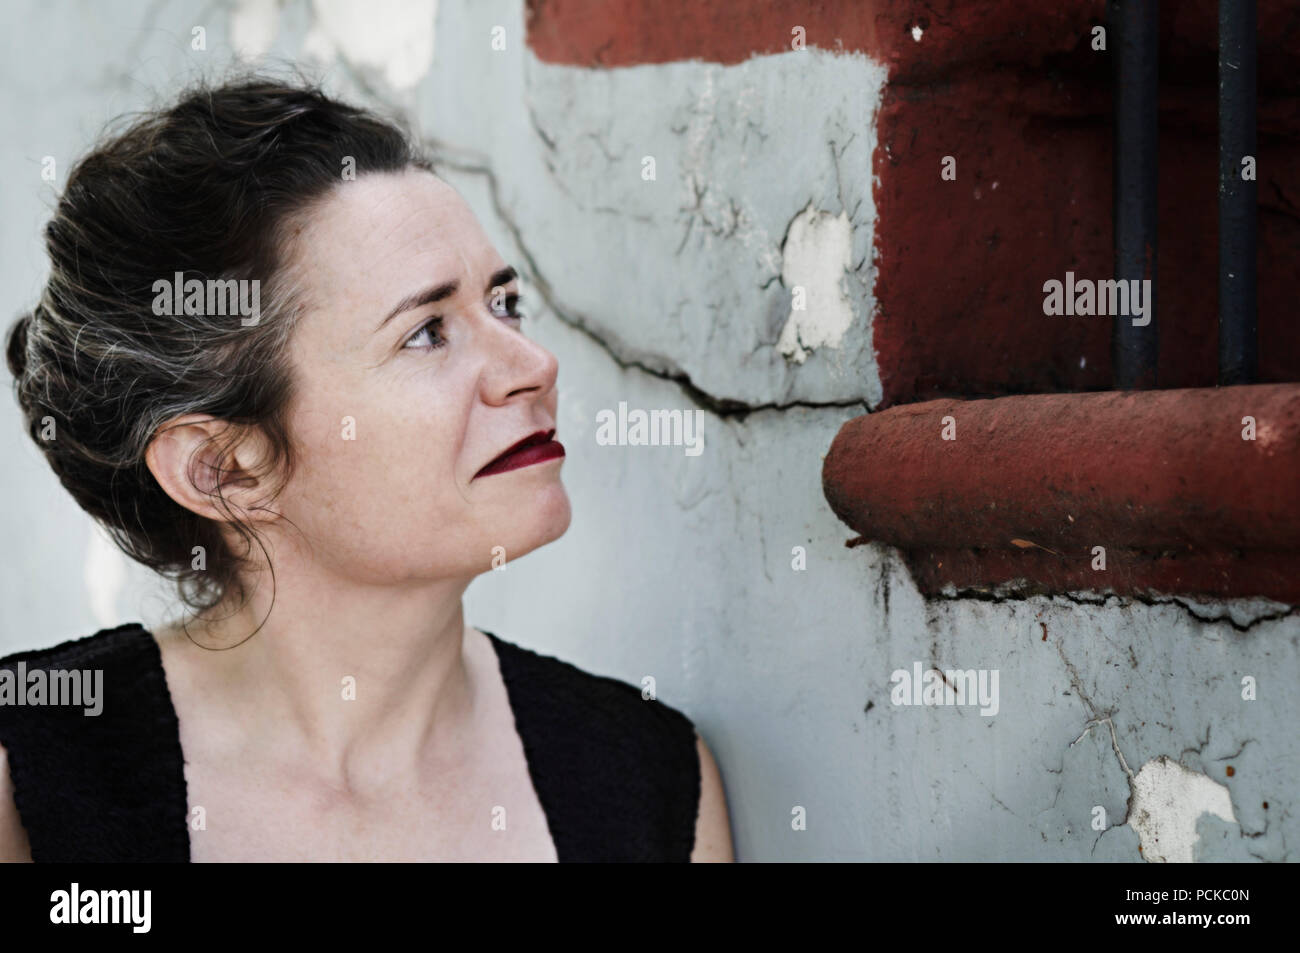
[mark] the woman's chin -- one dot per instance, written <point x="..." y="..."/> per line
<point x="546" y="520"/>
<point x="554" y="515"/>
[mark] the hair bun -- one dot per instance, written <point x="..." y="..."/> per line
<point x="16" y="345"/>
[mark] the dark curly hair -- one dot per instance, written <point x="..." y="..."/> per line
<point x="215" y="187"/>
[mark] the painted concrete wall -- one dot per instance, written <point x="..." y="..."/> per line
<point x="723" y="575"/>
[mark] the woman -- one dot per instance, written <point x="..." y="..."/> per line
<point x="278" y="358"/>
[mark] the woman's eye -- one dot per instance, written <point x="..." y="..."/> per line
<point x="511" y="308"/>
<point x="427" y="332"/>
<point x="427" y="337"/>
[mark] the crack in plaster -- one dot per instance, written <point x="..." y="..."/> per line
<point x="475" y="163"/>
<point x="1023" y="591"/>
<point x="1166" y="798"/>
<point x="719" y="406"/>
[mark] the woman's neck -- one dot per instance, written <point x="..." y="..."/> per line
<point x="362" y="682"/>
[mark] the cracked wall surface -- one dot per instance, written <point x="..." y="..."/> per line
<point x="674" y="294"/>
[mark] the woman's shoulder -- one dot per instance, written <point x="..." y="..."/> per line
<point x="110" y="645"/>
<point x="71" y="716"/>
<point x="97" y="683"/>
<point x="46" y="686"/>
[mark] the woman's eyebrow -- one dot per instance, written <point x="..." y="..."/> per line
<point x="445" y="290"/>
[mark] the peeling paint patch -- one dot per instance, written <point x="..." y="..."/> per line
<point x="712" y="229"/>
<point x="1168" y="799"/>
<point x="253" y="24"/>
<point x="818" y="252"/>
<point x="394" y="37"/>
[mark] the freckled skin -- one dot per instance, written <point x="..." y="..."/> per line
<point x="399" y="502"/>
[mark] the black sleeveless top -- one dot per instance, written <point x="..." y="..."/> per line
<point x="618" y="777"/>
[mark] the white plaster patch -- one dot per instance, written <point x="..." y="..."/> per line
<point x="103" y="574"/>
<point x="253" y="24"/>
<point x="1168" y="799"/>
<point x="818" y="253"/>
<point x="394" y="37"/>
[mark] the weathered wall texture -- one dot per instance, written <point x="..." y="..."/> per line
<point x="723" y="575"/>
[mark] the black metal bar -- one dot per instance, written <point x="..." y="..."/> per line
<point x="1238" y="336"/>
<point x="1134" y="28"/>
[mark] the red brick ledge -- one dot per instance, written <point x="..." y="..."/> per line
<point x="1163" y="480"/>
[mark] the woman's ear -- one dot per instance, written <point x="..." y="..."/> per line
<point x="200" y="461"/>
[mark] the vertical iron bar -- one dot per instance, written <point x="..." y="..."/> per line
<point x="1238" y="341"/>
<point x="1134" y="23"/>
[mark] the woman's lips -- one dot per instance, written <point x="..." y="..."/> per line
<point x="533" y="452"/>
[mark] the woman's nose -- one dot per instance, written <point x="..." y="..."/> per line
<point x="515" y="363"/>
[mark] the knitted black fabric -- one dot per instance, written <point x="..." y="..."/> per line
<point x="108" y="787"/>
<point x="617" y="777"/>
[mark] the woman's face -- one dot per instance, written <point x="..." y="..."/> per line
<point x="394" y="416"/>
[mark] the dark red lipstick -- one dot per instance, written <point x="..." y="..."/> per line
<point x="534" y="448"/>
